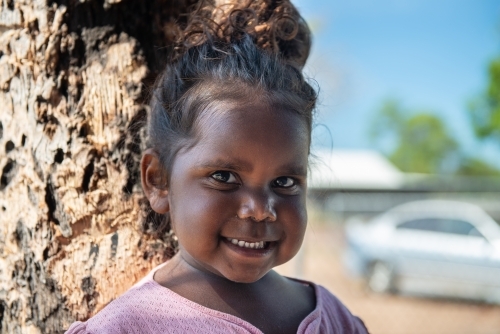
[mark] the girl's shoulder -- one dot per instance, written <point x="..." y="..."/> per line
<point x="330" y="315"/>
<point x="125" y="314"/>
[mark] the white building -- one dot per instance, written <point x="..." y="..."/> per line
<point x="349" y="182"/>
<point x="353" y="169"/>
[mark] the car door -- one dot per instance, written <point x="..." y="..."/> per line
<point x="471" y="258"/>
<point x="444" y="256"/>
<point x="419" y="249"/>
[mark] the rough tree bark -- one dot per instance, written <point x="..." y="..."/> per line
<point x="73" y="79"/>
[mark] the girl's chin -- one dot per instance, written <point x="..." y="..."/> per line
<point x="246" y="278"/>
<point x="234" y="272"/>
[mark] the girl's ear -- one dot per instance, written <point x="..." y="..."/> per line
<point x="153" y="182"/>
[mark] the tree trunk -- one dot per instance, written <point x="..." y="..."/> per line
<point x="73" y="86"/>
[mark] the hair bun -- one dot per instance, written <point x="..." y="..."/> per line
<point x="275" y="26"/>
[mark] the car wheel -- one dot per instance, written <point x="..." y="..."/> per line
<point x="380" y="277"/>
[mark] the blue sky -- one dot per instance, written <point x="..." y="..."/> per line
<point x="430" y="55"/>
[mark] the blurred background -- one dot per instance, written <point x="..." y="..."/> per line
<point x="409" y="113"/>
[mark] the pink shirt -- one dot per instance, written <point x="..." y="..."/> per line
<point x="149" y="307"/>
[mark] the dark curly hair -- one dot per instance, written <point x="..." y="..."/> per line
<point x="227" y="53"/>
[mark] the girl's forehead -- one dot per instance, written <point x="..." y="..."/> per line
<point x="248" y="116"/>
<point x="253" y="130"/>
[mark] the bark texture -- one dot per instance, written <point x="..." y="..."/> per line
<point x="73" y="79"/>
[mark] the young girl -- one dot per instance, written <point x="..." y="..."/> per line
<point x="226" y="168"/>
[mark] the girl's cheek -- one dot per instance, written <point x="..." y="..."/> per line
<point x="294" y="209"/>
<point x="298" y="218"/>
<point x="203" y="211"/>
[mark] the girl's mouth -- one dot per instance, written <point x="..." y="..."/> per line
<point x="255" y="248"/>
<point x="245" y="244"/>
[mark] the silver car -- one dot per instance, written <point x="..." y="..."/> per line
<point x="432" y="247"/>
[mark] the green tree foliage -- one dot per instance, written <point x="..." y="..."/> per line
<point x="476" y="167"/>
<point x="423" y="144"/>
<point x="485" y="109"/>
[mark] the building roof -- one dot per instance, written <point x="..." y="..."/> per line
<point x="352" y="169"/>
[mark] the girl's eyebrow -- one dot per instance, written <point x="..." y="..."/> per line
<point x="293" y="169"/>
<point x="225" y="164"/>
<point x="239" y="165"/>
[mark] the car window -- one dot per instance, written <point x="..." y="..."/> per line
<point x="443" y="225"/>
<point x="418" y="224"/>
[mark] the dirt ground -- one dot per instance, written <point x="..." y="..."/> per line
<point x="320" y="261"/>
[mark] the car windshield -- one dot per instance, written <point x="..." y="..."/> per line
<point x="442" y="225"/>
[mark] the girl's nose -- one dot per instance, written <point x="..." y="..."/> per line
<point x="257" y="206"/>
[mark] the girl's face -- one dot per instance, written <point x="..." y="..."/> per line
<point x="237" y="197"/>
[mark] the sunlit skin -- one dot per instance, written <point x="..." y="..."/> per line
<point x="244" y="178"/>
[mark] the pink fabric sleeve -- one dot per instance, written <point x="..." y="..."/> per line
<point x="336" y="318"/>
<point x="77" y="328"/>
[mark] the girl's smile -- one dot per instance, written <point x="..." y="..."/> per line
<point x="236" y="196"/>
<point x="256" y="249"/>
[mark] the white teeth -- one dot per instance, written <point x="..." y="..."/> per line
<point x="241" y="243"/>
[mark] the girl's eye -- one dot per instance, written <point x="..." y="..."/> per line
<point x="223" y="176"/>
<point x="284" y="182"/>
